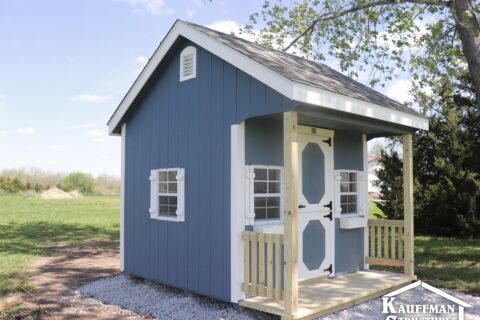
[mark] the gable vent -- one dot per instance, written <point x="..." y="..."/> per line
<point x="188" y="68"/>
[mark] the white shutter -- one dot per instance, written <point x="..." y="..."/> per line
<point x="180" y="195"/>
<point x="337" y="206"/>
<point x="249" y="196"/>
<point x="154" y="193"/>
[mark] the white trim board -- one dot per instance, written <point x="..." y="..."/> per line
<point x="292" y="90"/>
<point x="237" y="210"/>
<point x="122" y="200"/>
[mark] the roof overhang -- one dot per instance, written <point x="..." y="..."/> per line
<point x="292" y="90"/>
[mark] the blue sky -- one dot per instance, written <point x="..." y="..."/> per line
<point x="65" y="65"/>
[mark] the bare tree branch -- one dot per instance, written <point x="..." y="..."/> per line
<point x="333" y="15"/>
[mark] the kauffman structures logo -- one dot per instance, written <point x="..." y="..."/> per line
<point x="450" y="308"/>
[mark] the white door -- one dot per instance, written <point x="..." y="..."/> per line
<point x="315" y="200"/>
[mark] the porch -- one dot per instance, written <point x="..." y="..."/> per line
<point x="271" y="266"/>
<point x="334" y="294"/>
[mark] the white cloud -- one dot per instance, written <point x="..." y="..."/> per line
<point x="86" y="97"/>
<point x="98" y="136"/>
<point x="28" y="130"/>
<point x="399" y="90"/>
<point x="225" y="26"/>
<point x="141" y="60"/>
<point x="57" y="146"/>
<point x="190" y="13"/>
<point x="155" y="7"/>
<point x="88" y="125"/>
<point x="3" y="134"/>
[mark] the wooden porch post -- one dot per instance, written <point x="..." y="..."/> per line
<point x="408" y="204"/>
<point x="290" y="159"/>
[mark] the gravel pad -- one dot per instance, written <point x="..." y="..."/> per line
<point x="164" y="302"/>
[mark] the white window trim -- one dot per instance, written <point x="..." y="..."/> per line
<point x="362" y="207"/>
<point x="154" y="195"/>
<point x="188" y="50"/>
<point x="250" y="196"/>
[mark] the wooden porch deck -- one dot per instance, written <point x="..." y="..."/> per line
<point x="330" y="295"/>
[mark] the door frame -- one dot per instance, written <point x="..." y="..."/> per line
<point x="315" y="131"/>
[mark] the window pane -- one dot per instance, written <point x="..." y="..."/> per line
<point x="352" y="199"/>
<point x="274" y="174"/>
<point x="343" y="187"/>
<point x="163" y="176"/>
<point x="163" y="210"/>
<point x="260" y="187"/>
<point x="260" y="213"/>
<point x="274" y="187"/>
<point x="172" y="187"/>
<point x="260" y="202"/>
<point x="353" y="176"/>
<point x="173" y="201"/>
<point x="260" y="174"/>
<point x="273" y="201"/>
<point x="164" y="200"/>
<point x="162" y="187"/>
<point x="173" y="210"/>
<point x="353" y="187"/>
<point x="172" y="175"/>
<point x="344" y="208"/>
<point x="344" y="176"/>
<point x="352" y="208"/>
<point x="273" y="213"/>
<point x="343" y="199"/>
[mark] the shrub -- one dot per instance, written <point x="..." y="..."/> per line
<point x="78" y="181"/>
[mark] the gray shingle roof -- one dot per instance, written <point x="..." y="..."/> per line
<point x="304" y="71"/>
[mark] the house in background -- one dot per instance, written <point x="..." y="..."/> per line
<point x="244" y="177"/>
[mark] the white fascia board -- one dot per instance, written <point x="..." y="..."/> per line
<point x="331" y="100"/>
<point x="292" y="90"/>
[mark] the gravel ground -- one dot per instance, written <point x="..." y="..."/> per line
<point x="164" y="302"/>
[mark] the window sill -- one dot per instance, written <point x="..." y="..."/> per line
<point x="353" y="222"/>
<point x="269" y="228"/>
<point x="173" y="219"/>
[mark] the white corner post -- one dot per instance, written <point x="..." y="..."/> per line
<point x="237" y="210"/>
<point x="122" y="200"/>
<point x="290" y="162"/>
<point x="408" y="204"/>
<point x="365" y="200"/>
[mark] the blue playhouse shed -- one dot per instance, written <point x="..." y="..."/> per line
<point x="244" y="177"/>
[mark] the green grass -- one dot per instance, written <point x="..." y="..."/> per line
<point x="374" y="212"/>
<point x="448" y="262"/>
<point x="29" y="225"/>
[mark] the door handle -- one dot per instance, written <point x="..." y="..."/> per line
<point x="301" y="206"/>
<point x="329" y="206"/>
<point x="329" y="216"/>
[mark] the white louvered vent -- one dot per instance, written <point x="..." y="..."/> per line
<point x="188" y="67"/>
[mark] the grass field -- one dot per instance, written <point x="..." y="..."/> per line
<point x="29" y="225"/>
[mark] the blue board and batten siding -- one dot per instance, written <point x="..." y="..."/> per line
<point x="264" y="146"/>
<point x="187" y="125"/>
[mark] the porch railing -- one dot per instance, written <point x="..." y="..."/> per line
<point x="386" y="245"/>
<point x="263" y="264"/>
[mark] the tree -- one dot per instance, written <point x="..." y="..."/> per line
<point x="446" y="166"/>
<point x="430" y="39"/>
<point x="78" y="181"/>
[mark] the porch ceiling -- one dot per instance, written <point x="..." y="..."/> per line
<point x="330" y="295"/>
<point x="336" y="120"/>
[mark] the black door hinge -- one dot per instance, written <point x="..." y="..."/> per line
<point x="329" y="269"/>
<point x="329" y="206"/>
<point x="329" y="216"/>
<point x="328" y="141"/>
<point x="301" y="206"/>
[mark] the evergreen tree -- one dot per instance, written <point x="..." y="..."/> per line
<point x="446" y="166"/>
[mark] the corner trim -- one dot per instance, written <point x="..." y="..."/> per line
<point x="237" y="210"/>
<point x="122" y="200"/>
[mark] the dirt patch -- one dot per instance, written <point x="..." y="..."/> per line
<point x="55" y="193"/>
<point x="56" y="277"/>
